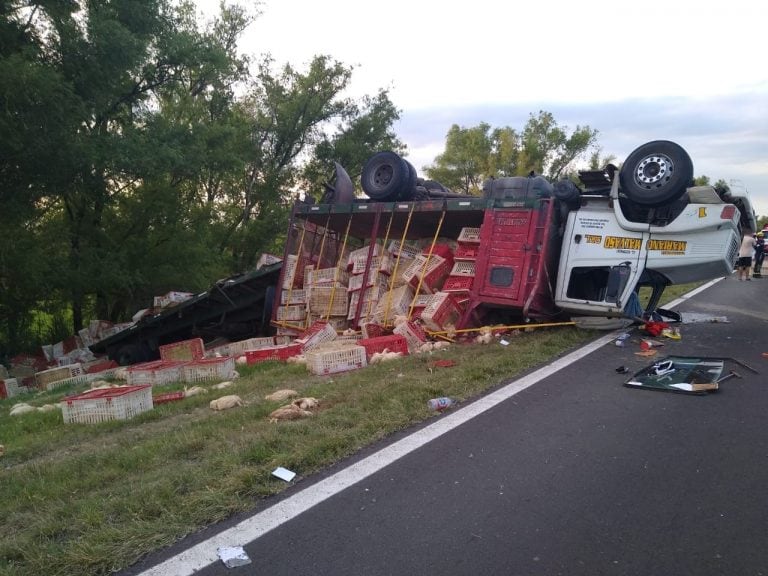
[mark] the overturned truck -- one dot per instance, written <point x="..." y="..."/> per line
<point x="527" y="250"/>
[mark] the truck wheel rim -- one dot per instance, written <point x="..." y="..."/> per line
<point x="383" y="176"/>
<point x="654" y="170"/>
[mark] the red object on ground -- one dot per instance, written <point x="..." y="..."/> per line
<point x="393" y="343"/>
<point x="168" y="397"/>
<point x="655" y="328"/>
<point x="443" y="363"/>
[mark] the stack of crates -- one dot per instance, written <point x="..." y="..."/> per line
<point x="460" y="280"/>
<point x="155" y="373"/>
<point x="293" y="298"/>
<point x="327" y="294"/>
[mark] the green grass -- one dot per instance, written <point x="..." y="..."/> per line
<point x="91" y="499"/>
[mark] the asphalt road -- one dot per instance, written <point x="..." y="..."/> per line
<point x="574" y="475"/>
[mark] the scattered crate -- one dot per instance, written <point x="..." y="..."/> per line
<point x="339" y="323"/>
<point x="441" y="311"/>
<point x="395" y="303"/>
<point x="393" y="343"/>
<point x="185" y="350"/>
<point x="208" y="369"/>
<point x="463" y="269"/>
<point x="319" y="333"/>
<point x="404" y="249"/>
<point x="167" y="397"/>
<point x="420" y="302"/>
<point x="368" y="310"/>
<point x="9" y="387"/>
<point x="279" y="353"/>
<point x="458" y="284"/>
<point x="469" y="236"/>
<point x="442" y="250"/>
<point x="372" y="329"/>
<point x="432" y="272"/>
<point x="46" y="379"/>
<point x="281" y="339"/>
<point x="155" y="373"/>
<point x="238" y="348"/>
<point x="413" y="334"/>
<point x="107" y="404"/>
<point x="323" y="361"/>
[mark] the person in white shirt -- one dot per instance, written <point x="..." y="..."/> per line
<point x="744" y="263"/>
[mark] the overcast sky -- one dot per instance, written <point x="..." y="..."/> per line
<point x="691" y="72"/>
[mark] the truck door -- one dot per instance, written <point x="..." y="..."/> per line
<point x="509" y="246"/>
<point x="600" y="262"/>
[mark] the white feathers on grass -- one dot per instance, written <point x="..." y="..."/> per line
<point x="281" y="395"/>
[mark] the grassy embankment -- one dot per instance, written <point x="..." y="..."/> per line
<point x="90" y="499"/>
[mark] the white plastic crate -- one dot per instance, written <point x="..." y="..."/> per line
<point x="45" y="378"/>
<point x="320" y="332"/>
<point x="413" y="334"/>
<point x="326" y="276"/>
<point x="291" y="313"/>
<point x="404" y="249"/>
<point x="107" y="404"/>
<point x="323" y="361"/>
<point x="463" y="268"/>
<point x="238" y="348"/>
<point x="469" y="235"/>
<point x="295" y="296"/>
<point x="330" y="300"/>
<point x="155" y="373"/>
<point x="209" y="369"/>
<point x="395" y="303"/>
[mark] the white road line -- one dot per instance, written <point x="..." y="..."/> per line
<point x="205" y="553"/>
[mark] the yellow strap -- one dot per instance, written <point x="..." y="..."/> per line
<point x="426" y="262"/>
<point x="397" y="263"/>
<point x="336" y="272"/>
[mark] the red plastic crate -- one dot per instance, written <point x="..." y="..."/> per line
<point x="393" y="343"/>
<point x="442" y="250"/>
<point x="168" y="397"/>
<point x="101" y="366"/>
<point x="106" y="404"/>
<point x="466" y="252"/>
<point x="413" y="333"/>
<point x="441" y="311"/>
<point x="458" y="283"/>
<point x="280" y="353"/>
<point x="192" y="349"/>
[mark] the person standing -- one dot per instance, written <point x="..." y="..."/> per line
<point x="744" y="263"/>
<point x="759" y="255"/>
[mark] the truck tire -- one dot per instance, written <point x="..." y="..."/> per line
<point x="408" y="191"/>
<point x="656" y="173"/>
<point x="384" y="175"/>
<point x="566" y="191"/>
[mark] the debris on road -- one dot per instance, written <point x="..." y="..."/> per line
<point x="687" y="375"/>
<point x="233" y="556"/>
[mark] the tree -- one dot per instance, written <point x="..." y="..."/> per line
<point x="474" y="154"/>
<point x="362" y="130"/>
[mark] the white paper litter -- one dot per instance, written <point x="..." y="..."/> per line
<point x="283" y="474"/>
<point x="233" y="556"/>
<point x="504" y="342"/>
